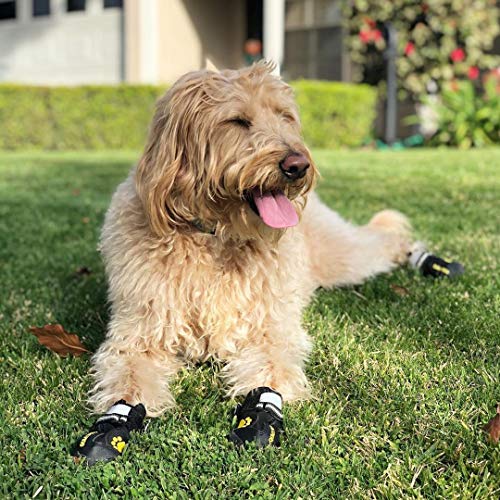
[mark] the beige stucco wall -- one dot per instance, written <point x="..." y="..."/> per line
<point x="186" y="33"/>
<point x="68" y="48"/>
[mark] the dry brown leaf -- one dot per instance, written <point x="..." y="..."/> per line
<point x="85" y="220"/>
<point x="55" y="338"/>
<point x="493" y="427"/>
<point x="400" y="290"/>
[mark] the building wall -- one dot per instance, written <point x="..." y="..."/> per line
<point x="63" y="48"/>
<point x="165" y="39"/>
<point x="149" y="41"/>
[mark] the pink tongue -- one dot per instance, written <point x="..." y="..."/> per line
<point x="275" y="209"/>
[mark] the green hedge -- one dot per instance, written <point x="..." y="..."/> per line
<point x="335" y="114"/>
<point x="113" y="117"/>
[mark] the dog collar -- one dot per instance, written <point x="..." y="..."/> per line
<point x="201" y="227"/>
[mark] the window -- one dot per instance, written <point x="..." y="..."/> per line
<point x="75" y="5"/>
<point x="108" y="4"/>
<point x="313" y="39"/>
<point x="7" y="10"/>
<point x="41" y="8"/>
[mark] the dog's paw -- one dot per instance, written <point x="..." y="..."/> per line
<point x="391" y="221"/>
<point x="398" y="231"/>
<point x="259" y="419"/>
<point x="109" y="436"/>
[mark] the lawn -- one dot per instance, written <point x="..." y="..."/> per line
<point x="403" y="383"/>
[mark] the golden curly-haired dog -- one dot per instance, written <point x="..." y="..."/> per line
<point x="211" y="250"/>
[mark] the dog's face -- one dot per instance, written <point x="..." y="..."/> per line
<point x="225" y="152"/>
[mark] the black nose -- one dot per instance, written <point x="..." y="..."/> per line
<point x="294" y="166"/>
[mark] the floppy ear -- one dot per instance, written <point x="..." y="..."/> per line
<point x="166" y="177"/>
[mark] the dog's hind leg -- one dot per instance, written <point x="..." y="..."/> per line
<point x="343" y="254"/>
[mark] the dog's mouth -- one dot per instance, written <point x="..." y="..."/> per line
<point x="273" y="207"/>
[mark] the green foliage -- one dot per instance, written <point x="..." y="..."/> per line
<point x="438" y="40"/>
<point x="87" y="117"/>
<point x="467" y="118"/>
<point x="335" y="114"/>
<point x="114" y="117"/>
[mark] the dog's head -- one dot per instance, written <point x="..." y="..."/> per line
<point x="225" y="151"/>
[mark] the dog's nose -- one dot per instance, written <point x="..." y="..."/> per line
<point x="294" y="166"/>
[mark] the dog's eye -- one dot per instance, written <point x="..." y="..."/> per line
<point x="241" y="122"/>
<point x="287" y="116"/>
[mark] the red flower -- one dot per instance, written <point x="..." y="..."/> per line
<point x="473" y="73"/>
<point x="368" y="36"/>
<point x="409" y="49"/>
<point x="364" y="36"/>
<point x="457" y="55"/>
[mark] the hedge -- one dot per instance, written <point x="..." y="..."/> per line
<point x="113" y="117"/>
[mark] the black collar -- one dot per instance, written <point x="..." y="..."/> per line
<point x="202" y="228"/>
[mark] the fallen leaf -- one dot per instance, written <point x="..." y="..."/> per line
<point x="85" y="220"/>
<point x="83" y="271"/>
<point x="400" y="290"/>
<point x="77" y="460"/>
<point x="493" y="427"/>
<point x="55" y="338"/>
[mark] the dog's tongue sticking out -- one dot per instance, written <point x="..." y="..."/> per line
<point x="275" y="209"/>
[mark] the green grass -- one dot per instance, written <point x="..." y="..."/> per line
<point x="403" y="384"/>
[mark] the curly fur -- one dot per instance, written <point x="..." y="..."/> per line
<point x="182" y="294"/>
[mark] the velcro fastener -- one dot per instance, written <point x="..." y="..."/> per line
<point x="271" y="401"/>
<point x="119" y="409"/>
<point x="117" y="413"/>
<point x="273" y="398"/>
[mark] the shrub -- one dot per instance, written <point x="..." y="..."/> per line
<point x="335" y="114"/>
<point x="87" y="117"/>
<point x="439" y="40"/>
<point x="466" y="117"/>
<point x="117" y="117"/>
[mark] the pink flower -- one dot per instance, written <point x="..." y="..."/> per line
<point x="364" y="36"/>
<point x="473" y="73"/>
<point x="457" y="55"/>
<point x="369" y="36"/>
<point x="409" y="49"/>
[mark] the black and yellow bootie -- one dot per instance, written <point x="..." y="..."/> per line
<point x="432" y="265"/>
<point x="259" y="419"/>
<point x="109" y="436"/>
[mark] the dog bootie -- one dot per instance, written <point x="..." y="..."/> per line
<point x="109" y="436"/>
<point x="432" y="265"/>
<point x="259" y="419"/>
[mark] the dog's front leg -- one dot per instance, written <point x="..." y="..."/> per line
<point x="131" y="371"/>
<point x="268" y="369"/>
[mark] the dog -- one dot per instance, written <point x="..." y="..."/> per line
<point x="216" y="242"/>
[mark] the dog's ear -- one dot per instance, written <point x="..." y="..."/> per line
<point x="167" y="175"/>
<point x="210" y="66"/>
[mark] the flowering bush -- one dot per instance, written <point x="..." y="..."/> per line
<point x="467" y="118"/>
<point x="438" y="40"/>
